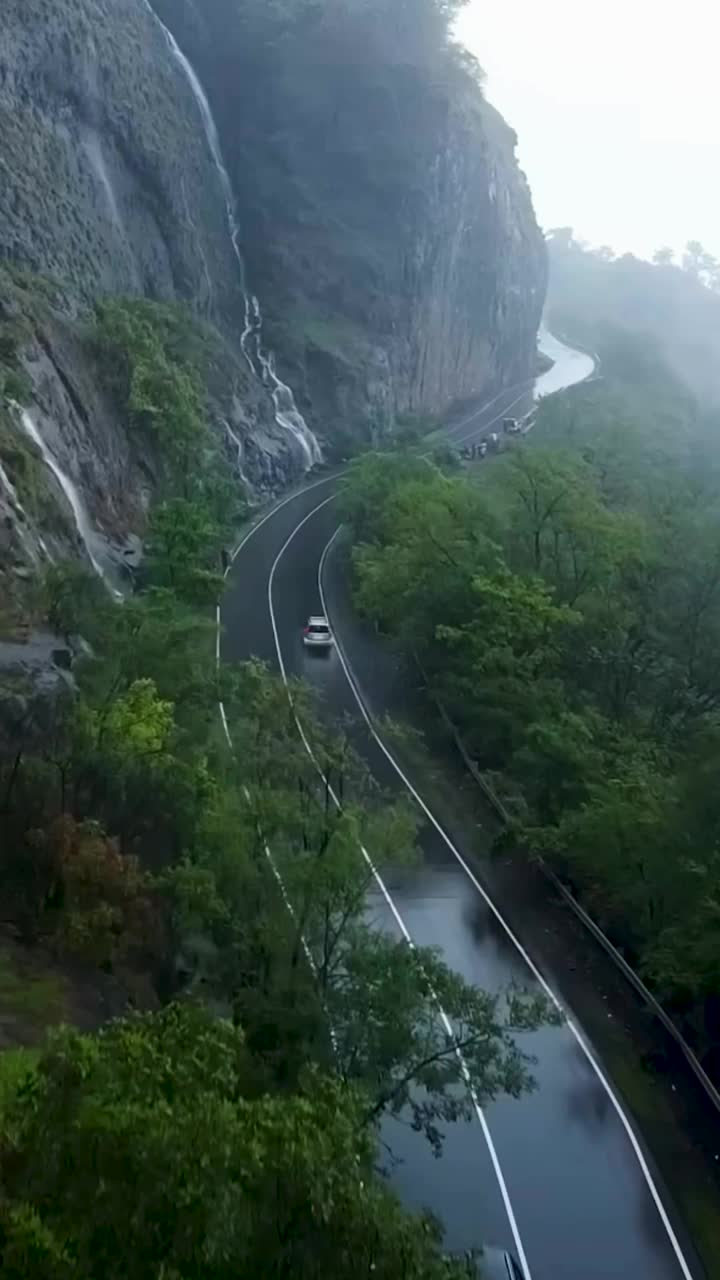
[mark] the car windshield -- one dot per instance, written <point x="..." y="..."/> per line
<point x="318" y="628"/>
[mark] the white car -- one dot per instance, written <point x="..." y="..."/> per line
<point x="317" y="633"/>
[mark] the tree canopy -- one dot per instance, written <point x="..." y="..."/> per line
<point x="563" y="602"/>
<point x="147" y="1151"/>
<point x="232" y="1128"/>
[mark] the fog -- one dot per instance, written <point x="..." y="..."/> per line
<point x="616" y="109"/>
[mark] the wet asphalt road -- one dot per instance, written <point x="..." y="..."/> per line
<point x="576" y="1202"/>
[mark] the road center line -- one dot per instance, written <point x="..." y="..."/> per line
<point x="457" y="426"/>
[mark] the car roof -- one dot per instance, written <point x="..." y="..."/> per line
<point x="317" y="622"/>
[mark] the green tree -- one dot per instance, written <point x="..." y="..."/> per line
<point x="618" y="845"/>
<point x="182" y="550"/>
<point x="107" y="908"/>
<point x="498" y="669"/>
<point x="556" y="525"/>
<point x="74" y="598"/>
<point x="310" y="981"/>
<point x="161" y="390"/>
<point x="155" y="1124"/>
<point x="138" y="723"/>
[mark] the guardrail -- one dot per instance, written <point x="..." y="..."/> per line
<point x="628" y="972"/>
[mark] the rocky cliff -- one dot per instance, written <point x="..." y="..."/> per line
<point x="108" y="186"/>
<point x="106" y="182"/>
<point x="387" y="226"/>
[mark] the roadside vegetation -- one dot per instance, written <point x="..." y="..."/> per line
<point x="228" y="1123"/>
<point x="563" y="602"/>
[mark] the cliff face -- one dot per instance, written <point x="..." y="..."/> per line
<point x="106" y="181"/>
<point x="476" y="271"/>
<point x="108" y="186"/>
<point x="386" y="230"/>
<point x="386" y="224"/>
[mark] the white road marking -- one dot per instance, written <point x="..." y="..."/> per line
<point x="278" y="506"/>
<point x="527" y="383"/>
<point x="389" y="900"/>
<point x="503" y="413"/>
<point x="501" y="919"/>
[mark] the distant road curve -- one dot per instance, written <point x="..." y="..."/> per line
<point x="569" y="366"/>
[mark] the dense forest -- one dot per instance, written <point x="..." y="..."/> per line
<point x="564" y="604"/>
<point x="673" y="301"/>
<point x="229" y="1125"/>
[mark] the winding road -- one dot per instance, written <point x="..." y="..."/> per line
<point x="560" y="1176"/>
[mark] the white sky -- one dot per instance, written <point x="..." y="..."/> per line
<point x="617" y="110"/>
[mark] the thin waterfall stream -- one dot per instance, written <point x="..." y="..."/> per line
<point x="82" y="522"/>
<point x="287" y="414"/>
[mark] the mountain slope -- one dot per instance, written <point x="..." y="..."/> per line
<point x="386" y="225"/>
<point x="590" y="294"/>
<point x="107" y="182"/>
<point x="383" y="221"/>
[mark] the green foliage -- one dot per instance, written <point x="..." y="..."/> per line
<point x="156" y="360"/>
<point x="182" y="551"/>
<point x="566" y="610"/>
<point x="389" y="1037"/>
<point x="138" y="723"/>
<point x="160" y="391"/>
<point x="14" y="1067"/>
<point x="188" y="1172"/>
<point x="138" y="845"/>
<point x="73" y="597"/>
<point x="153" y="853"/>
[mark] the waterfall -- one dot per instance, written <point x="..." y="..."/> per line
<point x="82" y="522"/>
<point x="9" y="488"/>
<point x="287" y="414"/>
<point x="94" y="152"/>
<point x="286" y="411"/>
<point x="232" y="435"/>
